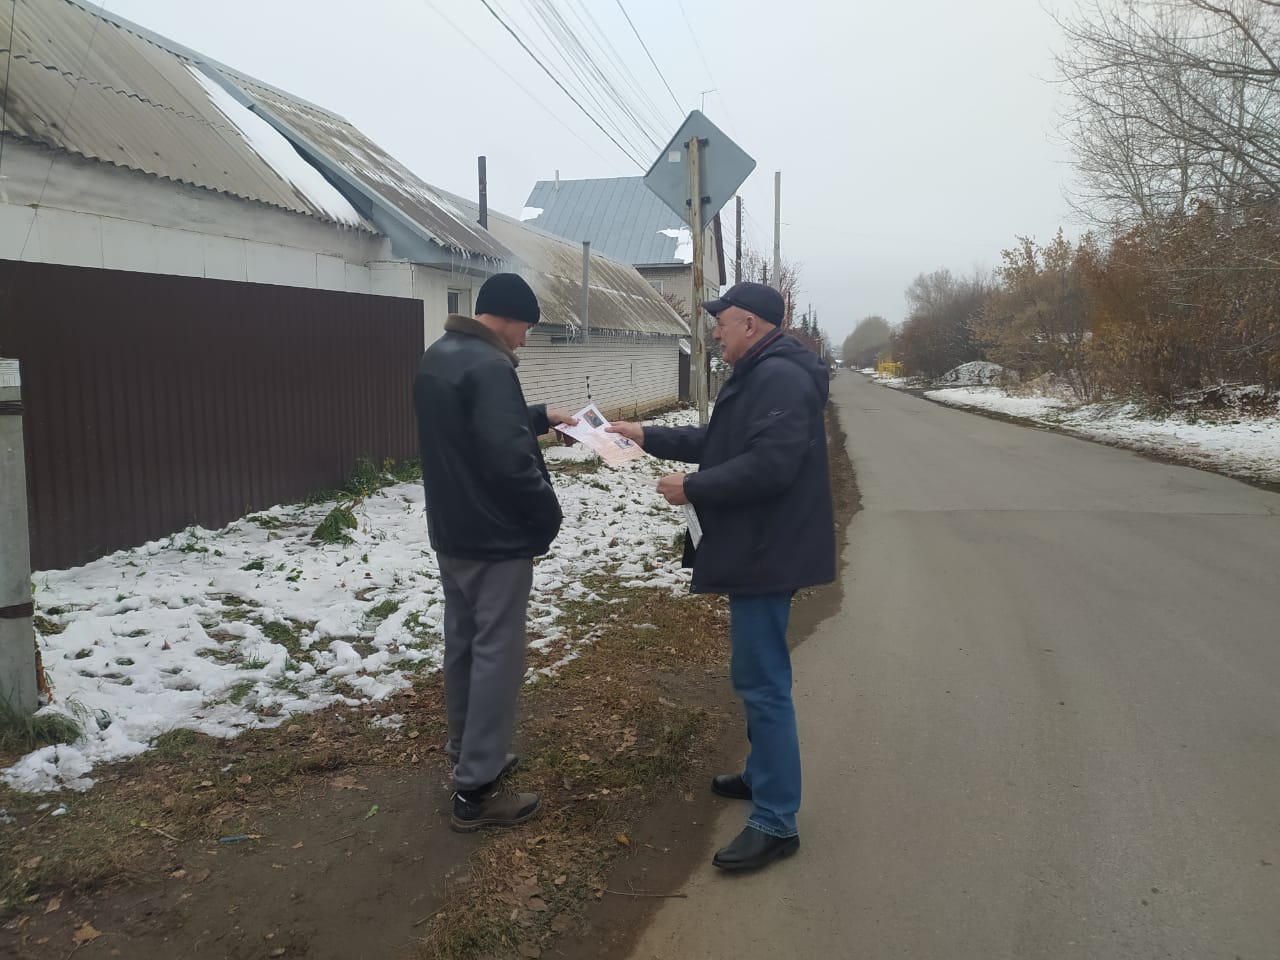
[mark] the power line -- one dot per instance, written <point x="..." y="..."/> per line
<point x="614" y="57"/>
<point x="693" y="33"/>
<point x="584" y="65"/>
<point x="674" y="98"/>
<point x="556" y="80"/>
<point x="555" y="116"/>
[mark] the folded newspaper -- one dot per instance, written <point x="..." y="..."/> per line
<point x="695" y="525"/>
<point x="591" y="429"/>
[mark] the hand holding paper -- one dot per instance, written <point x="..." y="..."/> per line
<point x="590" y="427"/>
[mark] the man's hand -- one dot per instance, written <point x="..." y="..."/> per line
<point x="632" y="431"/>
<point x="560" y="417"/>
<point x="672" y="487"/>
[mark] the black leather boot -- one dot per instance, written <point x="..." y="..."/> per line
<point x="753" y="849"/>
<point x="730" y="785"/>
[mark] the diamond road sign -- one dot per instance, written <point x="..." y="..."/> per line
<point x="724" y="166"/>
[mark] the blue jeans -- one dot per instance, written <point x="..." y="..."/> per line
<point x="761" y="670"/>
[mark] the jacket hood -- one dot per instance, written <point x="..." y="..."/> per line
<point x="789" y="348"/>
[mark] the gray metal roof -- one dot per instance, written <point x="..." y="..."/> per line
<point x="96" y="85"/>
<point x="135" y="105"/>
<point x="620" y="216"/>
<point x="621" y="299"/>
<point x="377" y="171"/>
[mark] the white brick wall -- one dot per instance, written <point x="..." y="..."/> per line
<point x="628" y="377"/>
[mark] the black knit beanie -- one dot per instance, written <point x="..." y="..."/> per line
<point x="507" y="295"/>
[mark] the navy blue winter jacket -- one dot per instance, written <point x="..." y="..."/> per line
<point x="762" y="490"/>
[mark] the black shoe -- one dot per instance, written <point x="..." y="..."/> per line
<point x="730" y="785"/>
<point x="472" y="811"/>
<point x="753" y="849"/>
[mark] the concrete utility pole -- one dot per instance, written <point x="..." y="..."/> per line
<point x="777" y="229"/>
<point x="737" y="247"/>
<point x="484" y="193"/>
<point x="17" y="641"/>
<point x="586" y="291"/>
<point x="697" y="328"/>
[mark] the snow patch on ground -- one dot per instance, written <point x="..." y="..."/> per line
<point x="1241" y="446"/>
<point x="229" y="630"/>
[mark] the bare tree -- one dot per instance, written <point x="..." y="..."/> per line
<point x="868" y="340"/>
<point x="938" y="332"/>
<point x="756" y="267"/>
<point x="1173" y="102"/>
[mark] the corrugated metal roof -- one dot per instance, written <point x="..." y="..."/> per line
<point x="620" y="216"/>
<point x="621" y="299"/>
<point x="99" y="86"/>
<point x="376" y="169"/>
<point x="84" y="85"/>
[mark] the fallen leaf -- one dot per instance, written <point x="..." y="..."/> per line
<point x="622" y="839"/>
<point x="536" y="904"/>
<point x="86" y="934"/>
<point x="54" y="905"/>
<point x="298" y="845"/>
<point x="33" y="863"/>
<point x="165" y="646"/>
<point x="244" y="780"/>
<point x="561" y="923"/>
<point x="584" y="757"/>
<point x="560" y="879"/>
<point x="372" y="811"/>
<point x="202" y="876"/>
<point x="178" y="874"/>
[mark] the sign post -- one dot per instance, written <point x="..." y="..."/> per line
<point x="697" y="173"/>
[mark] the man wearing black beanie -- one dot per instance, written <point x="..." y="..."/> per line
<point x="490" y="510"/>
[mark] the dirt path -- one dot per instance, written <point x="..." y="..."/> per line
<point x="348" y="853"/>
<point x="321" y="878"/>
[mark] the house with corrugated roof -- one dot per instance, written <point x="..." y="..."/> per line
<point x="126" y="151"/>
<point x="623" y="219"/>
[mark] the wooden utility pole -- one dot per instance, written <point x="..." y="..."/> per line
<point x="484" y="192"/>
<point x="698" y="329"/>
<point x="737" y="246"/>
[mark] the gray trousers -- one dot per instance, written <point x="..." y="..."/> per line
<point x="485" y="605"/>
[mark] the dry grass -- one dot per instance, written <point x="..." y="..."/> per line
<point x="618" y="730"/>
<point x="189" y="787"/>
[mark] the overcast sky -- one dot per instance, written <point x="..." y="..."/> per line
<point x="911" y="137"/>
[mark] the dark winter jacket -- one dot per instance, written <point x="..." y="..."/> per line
<point x="762" y="492"/>
<point x="489" y="496"/>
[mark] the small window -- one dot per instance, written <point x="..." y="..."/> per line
<point x="460" y="302"/>
<point x="657" y="285"/>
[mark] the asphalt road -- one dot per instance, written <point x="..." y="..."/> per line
<point x="1045" y="722"/>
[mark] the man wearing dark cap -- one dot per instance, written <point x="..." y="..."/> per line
<point x="763" y="498"/>
<point x="490" y="510"/>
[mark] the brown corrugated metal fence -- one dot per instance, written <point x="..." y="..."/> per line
<point x="155" y="402"/>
